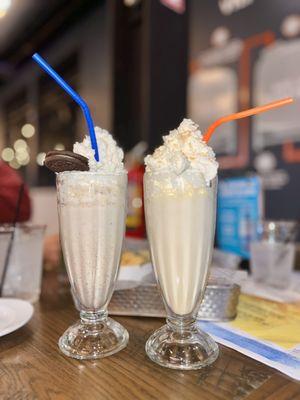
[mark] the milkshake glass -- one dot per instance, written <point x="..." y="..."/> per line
<point x="91" y="208"/>
<point x="180" y="218"/>
<point x="180" y="186"/>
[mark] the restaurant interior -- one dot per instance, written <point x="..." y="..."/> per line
<point x="211" y="201"/>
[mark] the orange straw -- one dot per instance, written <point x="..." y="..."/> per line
<point x="246" y="113"/>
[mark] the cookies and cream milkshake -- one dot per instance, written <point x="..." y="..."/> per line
<point x="92" y="208"/>
<point x="180" y="204"/>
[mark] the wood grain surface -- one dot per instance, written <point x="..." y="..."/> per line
<point x="31" y="366"/>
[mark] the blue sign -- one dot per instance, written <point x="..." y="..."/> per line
<point x="239" y="209"/>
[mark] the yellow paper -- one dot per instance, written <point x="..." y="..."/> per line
<point x="268" y="320"/>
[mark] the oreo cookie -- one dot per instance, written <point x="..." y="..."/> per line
<point x="61" y="160"/>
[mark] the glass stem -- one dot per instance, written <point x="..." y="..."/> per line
<point x="180" y="324"/>
<point x="89" y="317"/>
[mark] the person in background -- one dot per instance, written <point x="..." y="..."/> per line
<point x="10" y="184"/>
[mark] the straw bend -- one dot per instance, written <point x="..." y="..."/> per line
<point x="246" y="113"/>
<point x="75" y="96"/>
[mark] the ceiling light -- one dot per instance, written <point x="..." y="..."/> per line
<point x="4" y="6"/>
<point x="24" y="161"/>
<point x="27" y="130"/>
<point x="131" y="3"/>
<point x="21" y="152"/>
<point x="290" y="26"/>
<point x="40" y="159"/>
<point x="7" y="154"/>
<point x="20" y="144"/>
<point x="59" y="146"/>
<point x="220" y="36"/>
<point x="22" y="157"/>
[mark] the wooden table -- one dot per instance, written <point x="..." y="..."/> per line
<point x="31" y="366"/>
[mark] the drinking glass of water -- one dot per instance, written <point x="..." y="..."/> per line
<point x="21" y="256"/>
<point x="273" y="253"/>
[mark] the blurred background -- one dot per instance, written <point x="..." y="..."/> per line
<point x="142" y="66"/>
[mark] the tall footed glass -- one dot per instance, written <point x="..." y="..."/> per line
<point x="91" y="210"/>
<point x="180" y="219"/>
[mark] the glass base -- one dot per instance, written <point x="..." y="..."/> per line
<point x="93" y="339"/>
<point x="186" y="349"/>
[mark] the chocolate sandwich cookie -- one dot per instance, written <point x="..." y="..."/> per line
<point x="61" y="160"/>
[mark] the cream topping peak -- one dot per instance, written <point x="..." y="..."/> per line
<point x="184" y="149"/>
<point x="111" y="156"/>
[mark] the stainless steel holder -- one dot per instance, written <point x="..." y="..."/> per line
<point x="219" y="303"/>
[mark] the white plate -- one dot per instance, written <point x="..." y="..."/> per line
<point x="14" y="313"/>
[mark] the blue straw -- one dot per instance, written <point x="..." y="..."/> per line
<point x="46" y="67"/>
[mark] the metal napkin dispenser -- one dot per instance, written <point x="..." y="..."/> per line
<point x="219" y="303"/>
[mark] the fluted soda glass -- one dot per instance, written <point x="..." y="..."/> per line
<point x="180" y="219"/>
<point x="92" y="212"/>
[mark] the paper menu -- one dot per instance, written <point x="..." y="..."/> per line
<point x="264" y="330"/>
<point x="278" y="323"/>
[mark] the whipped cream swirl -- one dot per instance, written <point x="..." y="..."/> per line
<point x="111" y="156"/>
<point x="183" y="150"/>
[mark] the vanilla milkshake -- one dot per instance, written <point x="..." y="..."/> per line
<point x="180" y="226"/>
<point x="92" y="210"/>
<point x="180" y="211"/>
<point x="180" y="204"/>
